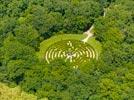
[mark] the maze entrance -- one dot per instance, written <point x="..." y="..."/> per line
<point x="74" y="51"/>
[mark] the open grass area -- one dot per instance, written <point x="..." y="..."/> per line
<point x="7" y="93"/>
<point x="69" y="47"/>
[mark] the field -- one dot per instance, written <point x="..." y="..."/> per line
<point x="70" y="48"/>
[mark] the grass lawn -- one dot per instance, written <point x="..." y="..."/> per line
<point x="60" y="42"/>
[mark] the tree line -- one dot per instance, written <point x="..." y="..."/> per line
<point x="24" y="24"/>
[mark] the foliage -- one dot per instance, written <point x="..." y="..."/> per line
<point x="7" y="93"/>
<point x="114" y="32"/>
<point x="59" y="80"/>
<point x="26" y="25"/>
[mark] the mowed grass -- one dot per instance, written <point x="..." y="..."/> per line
<point x="77" y="48"/>
<point x="46" y="43"/>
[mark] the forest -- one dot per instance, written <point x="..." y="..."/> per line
<point x="27" y="27"/>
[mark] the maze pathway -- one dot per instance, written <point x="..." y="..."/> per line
<point x="73" y="51"/>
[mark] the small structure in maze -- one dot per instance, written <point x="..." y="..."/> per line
<point x="74" y="51"/>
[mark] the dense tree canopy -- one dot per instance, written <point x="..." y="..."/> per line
<point x="49" y="17"/>
<point x="24" y="24"/>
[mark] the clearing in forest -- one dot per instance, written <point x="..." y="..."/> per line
<point x="69" y="47"/>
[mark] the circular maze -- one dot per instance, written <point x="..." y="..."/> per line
<point x="73" y="51"/>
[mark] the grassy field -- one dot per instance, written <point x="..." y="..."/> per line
<point x="47" y="43"/>
<point x="7" y="93"/>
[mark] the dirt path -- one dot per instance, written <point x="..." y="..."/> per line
<point x="89" y="32"/>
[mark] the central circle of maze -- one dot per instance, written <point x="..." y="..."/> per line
<point x="73" y="51"/>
